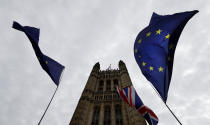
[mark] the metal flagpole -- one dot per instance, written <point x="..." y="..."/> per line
<point x="173" y="114"/>
<point x="51" y="99"/>
<point x="48" y="106"/>
<point x="167" y="105"/>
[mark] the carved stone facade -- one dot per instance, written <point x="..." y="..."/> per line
<point x="100" y="104"/>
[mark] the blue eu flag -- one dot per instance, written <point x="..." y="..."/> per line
<point x="155" y="46"/>
<point x="53" y="68"/>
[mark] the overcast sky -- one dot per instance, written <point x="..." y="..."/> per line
<point x="79" y="33"/>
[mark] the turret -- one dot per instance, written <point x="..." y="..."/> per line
<point x="96" y="68"/>
<point x="92" y="80"/>
<point x="125" y="78"/>
<point x="100" y="104"/>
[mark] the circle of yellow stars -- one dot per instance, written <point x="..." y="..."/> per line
<point x="148" y="34"/>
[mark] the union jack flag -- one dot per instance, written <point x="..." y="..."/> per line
<point x="130" y="96"/>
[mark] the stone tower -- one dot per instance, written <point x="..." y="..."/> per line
<point x="100" y="104"/>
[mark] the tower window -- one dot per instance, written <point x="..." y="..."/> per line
<point x="107" y="115"/>
<point x="118" y="115"/>
<point x="108" y="85"/>
<point x="96" y="115"/>
<point x="101" y="86"/>
<point x="115" y="84"/>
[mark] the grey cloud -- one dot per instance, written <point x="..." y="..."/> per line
<point x="78" y="34"/>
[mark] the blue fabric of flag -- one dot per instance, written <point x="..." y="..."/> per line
<point x="155" y="46"/>
<point x="53" y="68"/>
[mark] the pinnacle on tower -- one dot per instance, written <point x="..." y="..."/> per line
<point x="122" y="65"/>
<point x="96" y="67"/>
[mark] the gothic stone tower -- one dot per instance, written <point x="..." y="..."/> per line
<point x="100" y="104"/>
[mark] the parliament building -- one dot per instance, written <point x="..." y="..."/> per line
<point x="100" y="103"/>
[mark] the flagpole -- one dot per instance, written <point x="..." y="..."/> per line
<point x="48" y="106"/>
<point x="51" y="99"/>
<point x="173" y="114"/>
<point x="170" y="110"/>
<point x="166" y="105"/>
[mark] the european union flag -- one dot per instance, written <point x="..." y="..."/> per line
<point x="155" y="46"/>
<point x="53" y="68"/>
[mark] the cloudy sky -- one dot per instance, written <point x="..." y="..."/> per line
<point x="79" y="33"/>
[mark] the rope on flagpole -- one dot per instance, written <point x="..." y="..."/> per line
<point x="48" y="106"/>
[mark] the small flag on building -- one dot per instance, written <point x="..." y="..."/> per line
<point x="53" y="68"/>
<point x="155" y="46"/>
<point x="130" y="96"/>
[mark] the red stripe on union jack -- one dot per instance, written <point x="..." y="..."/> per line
<point x="130" y="96"/>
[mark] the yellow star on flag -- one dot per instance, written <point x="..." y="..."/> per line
<point x="158" y="31"/>
<point x="171" y="46"/>
<point x="160" y="69"/>
<point x="169" y="58"/>
<point x="167" y="36"/>
<point x="139" y="41"/>
<point x="143" y="63"/>
<point x="139" y="57"/>
<point x="151" y="68"/>
<point x="148" y="34"/>
<point x="46" y="62"/>
<point x="136" y="50"/>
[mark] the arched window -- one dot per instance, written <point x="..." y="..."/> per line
<point x="107" y="115"/>
<point x="108" y="85"/>
<point x="96" y="112"/>
<point x="101" y="86"/>
<point x="118" y="115"/>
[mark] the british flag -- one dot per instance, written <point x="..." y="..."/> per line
<point x="130" y="96"/>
